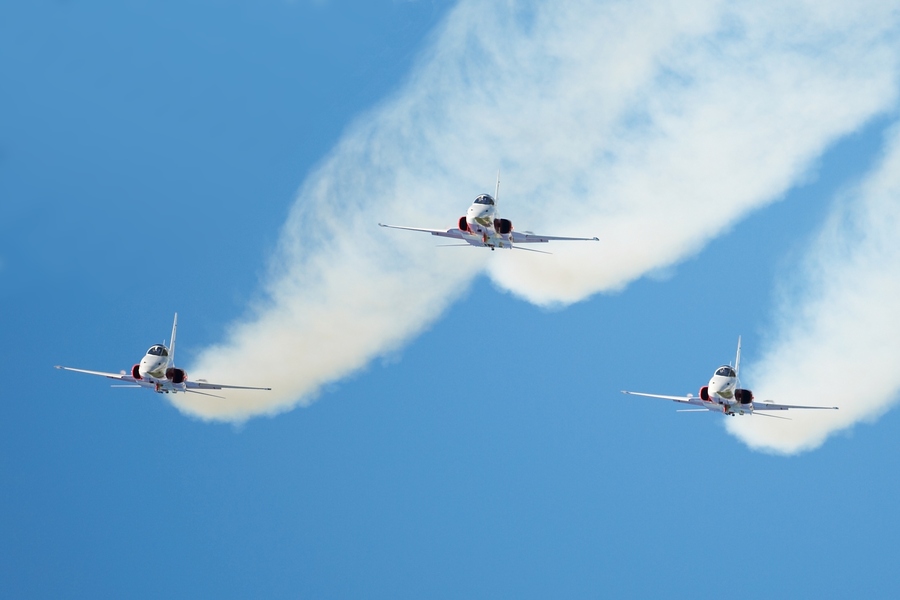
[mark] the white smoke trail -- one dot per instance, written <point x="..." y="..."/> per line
<point x="838" y="339"/>
<point x="654" y="125"/>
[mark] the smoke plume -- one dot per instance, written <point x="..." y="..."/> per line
<point x="653" y="125"/>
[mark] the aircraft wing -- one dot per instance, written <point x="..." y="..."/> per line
<point x="201" y="384"/>
<point x="119" y="376"/>
<point x="531" y="238"/>
<point x="773" y="406"/>
<point x="450" y="233"/>
<point x="682" y="399"/>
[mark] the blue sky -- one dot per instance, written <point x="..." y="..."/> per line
<point x="150" y="162"/>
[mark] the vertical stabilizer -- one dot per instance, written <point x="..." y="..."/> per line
<point x="497" y="189"/>
<point x="737" y="360"/>
<point x="172" y="346"/>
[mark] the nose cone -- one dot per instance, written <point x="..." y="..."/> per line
<point x="481" y="214"/>
<point x="721" y="386"/>
<point x="152" y="366"/>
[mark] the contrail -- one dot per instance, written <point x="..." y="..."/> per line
<point x="838" y="334"/>
<point x="654" y="125"/>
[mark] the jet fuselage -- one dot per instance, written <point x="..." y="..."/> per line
<point x="154" y="363"/>
<point x="723" y="394"/>
<point x="481" y="223"/>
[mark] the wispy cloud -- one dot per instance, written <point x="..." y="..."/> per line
<point x="837" y="338"/>
<point x="653" y="125"/>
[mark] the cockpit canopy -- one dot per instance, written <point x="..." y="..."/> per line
<point x="158" y="350"/>
<point x="485" y="199"/>
<point x="726" y="371"/>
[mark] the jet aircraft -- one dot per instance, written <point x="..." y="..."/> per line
<point x="157" y="372"/>
<point x="722" y="394"/>
<point x="482" y="226"/>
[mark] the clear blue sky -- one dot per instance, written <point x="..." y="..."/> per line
<point x="149" y="155"/>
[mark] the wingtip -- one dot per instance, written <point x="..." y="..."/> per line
<point x="595" y="238"/>
<point x="57" y="366"/>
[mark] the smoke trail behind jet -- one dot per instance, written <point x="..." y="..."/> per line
<point x="838" y="333"/>
<point x="649" y="124"/>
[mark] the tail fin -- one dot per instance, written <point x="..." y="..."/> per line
<point x="497" y="190"/>
<point x="172" y="346"/>
<point x="737" y="360"/>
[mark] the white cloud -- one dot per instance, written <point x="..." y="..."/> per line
<point x="653" y="125"/>
<point x="838" y="333"/>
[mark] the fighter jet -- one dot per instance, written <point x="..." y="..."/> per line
<point x="722" y="394"/>
<point x="157" y="371"/>
<point x="482" y="226"/>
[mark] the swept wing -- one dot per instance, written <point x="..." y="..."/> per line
<point x="773" y="406"/>
<point x="532" y="238"/>
<point x="689" y="399"/>
<point x="175" y="387"/>
<point x="450" y="233"/>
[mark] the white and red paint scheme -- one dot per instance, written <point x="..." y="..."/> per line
<point x="482" y="226"/>
<point x="723" y="394"/>
<point x="157" y="371"/>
